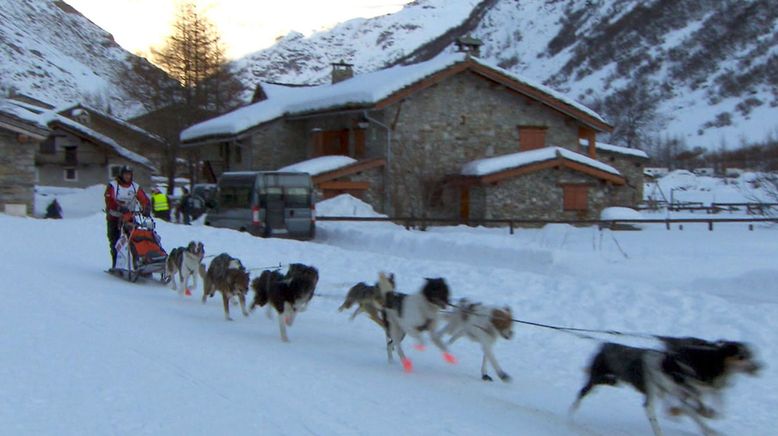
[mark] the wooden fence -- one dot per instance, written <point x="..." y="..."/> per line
<point x="512" y="223"/>
<point x="750" y="208"/>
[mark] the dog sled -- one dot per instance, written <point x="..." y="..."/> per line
<point x="138" y="249"/>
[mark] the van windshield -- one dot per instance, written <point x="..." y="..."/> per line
<point x="235" y="197"/>
<point x="297" y="197"/>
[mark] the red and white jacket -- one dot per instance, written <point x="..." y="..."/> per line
<point x="119" y="195"/>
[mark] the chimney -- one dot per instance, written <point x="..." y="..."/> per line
<point x="468" y="44"/>
<point x="341" y="71"/>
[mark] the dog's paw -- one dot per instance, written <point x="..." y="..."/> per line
<point x="407" y="365"/>
<point x="485" y="377"/>
<point x="504" y="377"/>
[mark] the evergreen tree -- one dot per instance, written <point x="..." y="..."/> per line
<point x="193" y="81"/>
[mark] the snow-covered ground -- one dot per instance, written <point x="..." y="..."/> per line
<point x="87" y="353"/>
<point x="685" y="186"/>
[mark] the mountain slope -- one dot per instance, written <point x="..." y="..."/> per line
<point x="712" y="64"/>
<point x="50" y="51"/>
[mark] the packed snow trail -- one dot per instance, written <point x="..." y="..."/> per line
<point x="87" y="353"/>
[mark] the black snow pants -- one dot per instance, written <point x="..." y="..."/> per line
<point x="113" y="236"/>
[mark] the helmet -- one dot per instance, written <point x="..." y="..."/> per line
<point x="125" y="169"/>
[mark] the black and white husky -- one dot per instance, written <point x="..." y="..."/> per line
<point x="186" y="261"/>
<point x="287" y="294"/>
<point x="482" y="324"/>
<point x="413" y="315"/>
<point x="683" y="374"/>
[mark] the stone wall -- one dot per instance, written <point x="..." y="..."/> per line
<point x="632" y="169"/>
<point x="17" y="171"/>
<point x="540" y="196"/>
<point x="278" y="144"/>
<point x="456" y="121"/>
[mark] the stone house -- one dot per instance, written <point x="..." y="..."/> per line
<point x="455" y="137"/>
<point x="21" y="132"/>
<point x="75" y="155"/>
<point x="147" y="144"/>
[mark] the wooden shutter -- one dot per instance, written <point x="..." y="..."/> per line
<point x="335" y="142"/>
<point x="464" y="203"/>
<point x="531" y="138"/>
<point x="575" y="197"/>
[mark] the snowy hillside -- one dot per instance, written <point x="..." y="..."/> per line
<point x="51" y="52"/>
<point x="709" y="60"/>
<point x="88" y="353"/>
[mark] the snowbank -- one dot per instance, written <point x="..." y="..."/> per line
<point x="346" y="205"/>
<point x="620" y="213"/>
<point x="75" y="202"/>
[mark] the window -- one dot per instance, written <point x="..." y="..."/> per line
<point x="48" y="146"/>
<point x="575" y="197"/>
<point x="113" y="171"/>
<point x="71" y="155"/>
<point x="531" y="138"/>
<point x="71" y="174"/>
<point x="238" y="154"/>
<point x="297" y="197"/>
<point x="235" y="197"/>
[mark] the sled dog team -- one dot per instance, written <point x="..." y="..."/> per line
<point x="685" y="373"/>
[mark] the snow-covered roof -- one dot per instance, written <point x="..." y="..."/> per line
<point x="634" y="152"/>
<point x="319" y="165"/>
<point x="362" y="90"/>
<point x="10" y="109"/>
<point x="491" y="165"/>
<point x="119" y="121"/>
<point x="49" y="117"/>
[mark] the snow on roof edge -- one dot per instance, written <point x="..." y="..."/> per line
<point x="117" y="120"/>
<point x="320" y="165"/>
<point x="361" y="90"/>
<point x="491" y="165"/>
<point x="634" y="152"/>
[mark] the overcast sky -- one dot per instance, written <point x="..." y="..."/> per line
<point x="246" y="25"/>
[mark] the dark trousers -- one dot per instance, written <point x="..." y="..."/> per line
<point x="113" y="232"/>
<point x="164" y="215"/>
